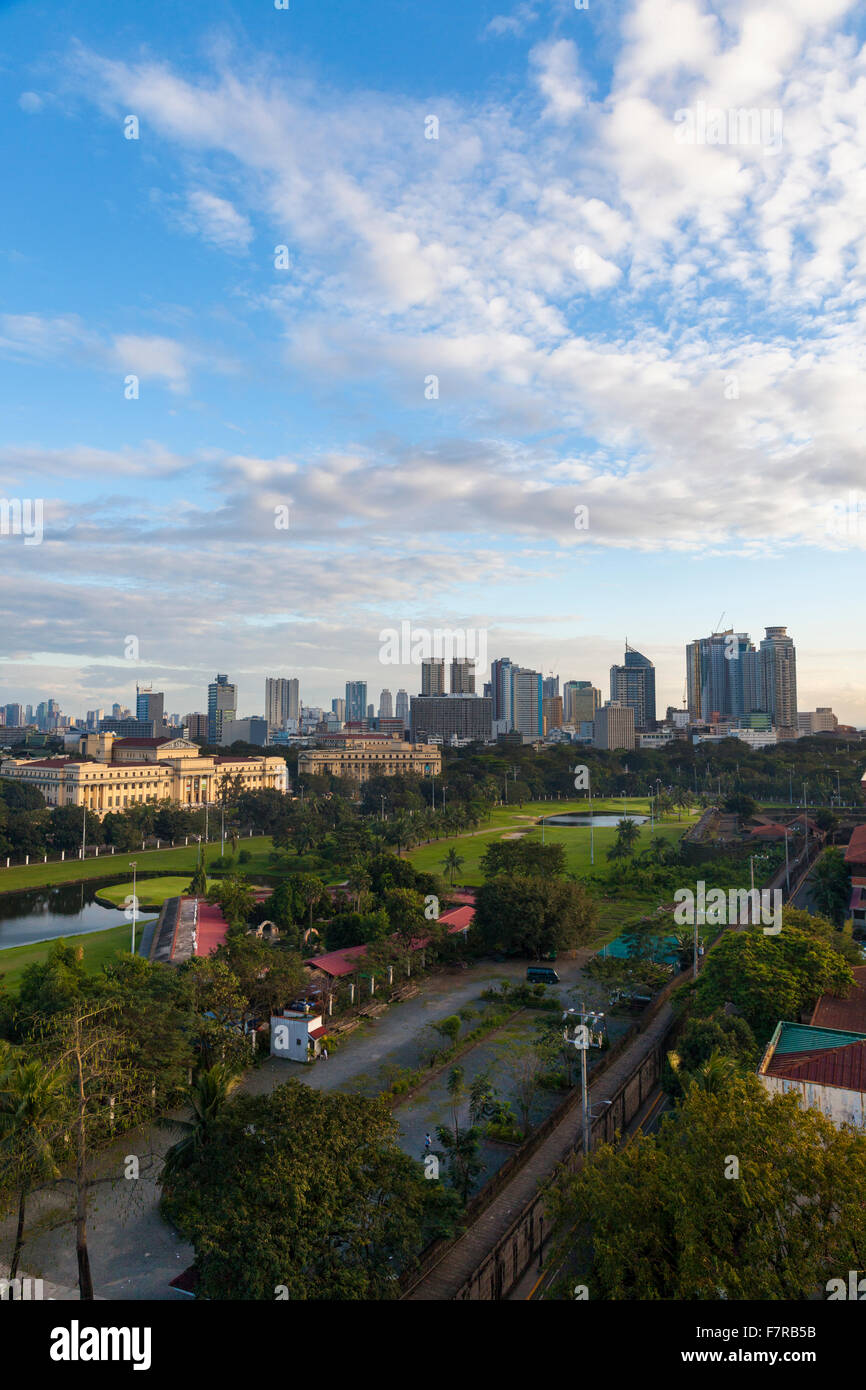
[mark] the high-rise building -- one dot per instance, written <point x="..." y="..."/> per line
<point x="196" y="725"/>
<point x="15" y="716"/>
<point x="282" y="701"/>
<point x="500" y="682"/>
<point x="222" y="705"/>
<point x="614" y="726"/>
<point x="526" y="712"/>
<point x="721" y="677"/>
<point x="462" y="675"/>
<point x="580" y="701"/>
<point x="386" y="709"/>
<point x="338" y="707"/>
<point x="550" y="687"/>
<point x="149" y="704"/>
<point x="634" y="684"/>
<point x="778" y="658"/>
<point x="551" y="709"/>
<point x="371" y="712"/>
<point x="93" y="719"/>
<point x="356" y="700"/>
<point x="401" y="709"/>
<point x="447" y="716"/>
<point x="433" y="676"/>
<point x="817" y="721"/>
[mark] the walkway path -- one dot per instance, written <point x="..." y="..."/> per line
<point x="446" y="1279"/>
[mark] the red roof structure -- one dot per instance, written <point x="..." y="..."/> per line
<point x="211" y="928"/>
<point x="834" y="1066"/>
<point x="855" y="854"/>
<point x="850" y="1013"/>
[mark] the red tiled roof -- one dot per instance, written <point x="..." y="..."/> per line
<point x="337" y="962"/>
<point x="317" y="1032"/>
<point x="52" y="762"/>
<point x="144" y="742"/>
<point x="850" y="1013"/>
<point x="458" y="918"/>
<point x="843" y="1066"/>
<point x="211" y="930"/>
<point x="770" y="832"/>
<point x="856" y="851"/>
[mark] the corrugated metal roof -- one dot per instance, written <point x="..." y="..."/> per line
<point x="826" y="1056"/>
<point x="849" y="1013"/>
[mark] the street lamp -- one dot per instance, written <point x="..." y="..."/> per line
<point x="133" y="864"/>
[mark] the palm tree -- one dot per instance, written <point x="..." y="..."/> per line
<point x="208" y="1096"/>
<point x="31" y="1102"/>
<point x="452" y="863"/>
<point x="715" y="1073"/>
<point x="358" y="883"/>
<point x="311" y="890"/>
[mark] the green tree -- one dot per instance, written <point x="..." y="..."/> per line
<point x="303" y="1192"/>
<point x="533" y="916"/>
<point x="830" y="886"/>
<point x="32" y="1105"/>
<point x="207" y="1098"/>
<point x="769" y="978"/>
<point x="669" y="1218"/>
<point x="452" y="864"/>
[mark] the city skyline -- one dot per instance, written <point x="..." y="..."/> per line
<point x="486" y="375"/>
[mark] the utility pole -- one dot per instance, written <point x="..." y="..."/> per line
<point x="83" y="828"/>
<point x="787" y="868"/>
<point x="591" y="827"/>
<point x="133" y="865"/>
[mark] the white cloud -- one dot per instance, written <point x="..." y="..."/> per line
<point x="558" y="78"/>
<point x="218" y="221"/>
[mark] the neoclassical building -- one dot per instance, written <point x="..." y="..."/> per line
<point x="112" y="774"/>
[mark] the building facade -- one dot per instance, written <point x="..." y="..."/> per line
<point x="634" y="684"/>
<point x="114" y="774"/>
<point x="614" y="726"/>
<point x="366" y="756"/>
<point x="222" y="704"/>
<point x="356" y="700"/>
<point x="451" y="716"/>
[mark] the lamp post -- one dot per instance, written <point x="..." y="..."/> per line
<point x="591" y="826"/>
<point x="83" y="828"/>
<point x="133" y="864"/>
<point x="650" y="790"/>
<point x="787" y="867"/>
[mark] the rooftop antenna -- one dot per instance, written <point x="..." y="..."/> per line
<point x="721" y="620"/>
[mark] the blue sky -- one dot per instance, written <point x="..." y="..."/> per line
<point x="668" y="333"/>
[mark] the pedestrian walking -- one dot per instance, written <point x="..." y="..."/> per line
<point x="325" y="1053"/>
<point x="427" y="1141"/>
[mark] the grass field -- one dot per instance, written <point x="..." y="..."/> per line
<point x="177" y="861"/>
<point x="622" y="906"/>
<point x="99" y="947"/>
<point x="152" y="892"/>
<point x="575" y="839"/>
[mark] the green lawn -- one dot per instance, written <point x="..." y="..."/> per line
<point x="99" y="947"/>
<point x="180" y="861"/>
<point x="575" y="839"/>
<point x="152" y="892"/>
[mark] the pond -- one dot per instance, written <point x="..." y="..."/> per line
<point x="596" y="821"/>
<point x="42" y="914"/>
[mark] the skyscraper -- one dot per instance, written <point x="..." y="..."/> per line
<point x="222" y="705"/>
<point x="722" y="676"/>
<point x="550" y="687"/>
<point x="462" y="675"/>
<point x="614" y="726"/>
<point x="778" y="663"/>
<point x="580" y="700"/>
<point x="356" y="700"/>
<point x="634" y="684"/>
<point x="433" y="676"/>
<point x="338" y="707"/>
<point x="401" y="710"/>
<point x="526" y="702"/>
<point x="500" y="682"/>
<point x="386" y="710"/>
<point x="149" y="704"/>
<point x="282" y="701"/>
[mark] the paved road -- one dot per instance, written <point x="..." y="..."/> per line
<point x="133" y="1252"/>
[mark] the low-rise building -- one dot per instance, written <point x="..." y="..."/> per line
<point x="112" y="774"/>
<point x="824" y="1067"/>
<point x="369" y="755"/>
